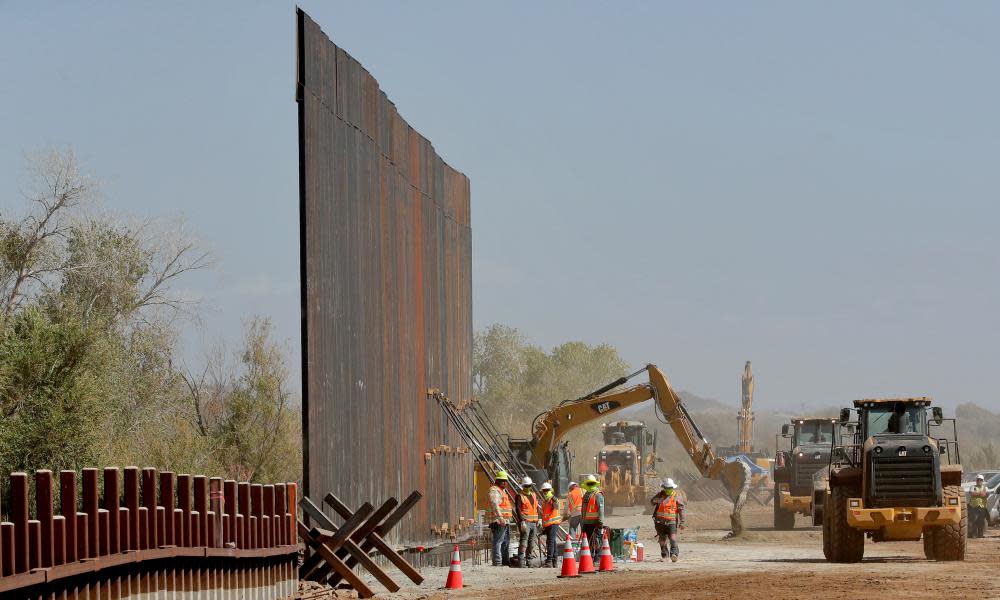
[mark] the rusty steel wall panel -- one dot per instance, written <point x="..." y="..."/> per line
<point x="386" y="255"/>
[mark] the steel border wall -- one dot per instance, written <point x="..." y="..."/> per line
<point x="386" y="250"/>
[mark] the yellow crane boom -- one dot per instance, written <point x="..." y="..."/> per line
<point x="744" y="442"/>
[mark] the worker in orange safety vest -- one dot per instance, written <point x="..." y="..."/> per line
<point x="574" y="508"/>
<point x="527" y="506"/>
<point x="550" y="524"/>
<point x="668" y="518"/>
<point x="500" y="515"/>
<point x="593" y="512"/>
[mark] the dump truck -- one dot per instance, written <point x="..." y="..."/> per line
<point x="626" y="461"/>
<point x="807" y="450"/>
<point x="893" y="478"/>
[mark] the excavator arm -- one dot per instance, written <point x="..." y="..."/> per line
<point x="734" y="475"/>
<point x="549" y="427"/>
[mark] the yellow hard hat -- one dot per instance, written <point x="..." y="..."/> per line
<point x="501" y="476"/>
<point x="590" y="482"/>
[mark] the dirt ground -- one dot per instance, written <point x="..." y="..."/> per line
<point x="763" y="563"/>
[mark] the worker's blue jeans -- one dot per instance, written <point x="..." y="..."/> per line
<point x="501" y="544"/>
<point x="551" y="540"/>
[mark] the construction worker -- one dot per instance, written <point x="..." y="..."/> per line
<point x="527" y="507"/>
<point x="550" y="524"/>
<point x="500" y="515"/>
<point x="668" y="518"/>
<point x="977" y="508"/>
<point x="574" y="508"/>
<point x="593" y="512"/>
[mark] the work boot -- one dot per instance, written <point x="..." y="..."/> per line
<point x="663" y="552"/>
<point x="673" y="558"/>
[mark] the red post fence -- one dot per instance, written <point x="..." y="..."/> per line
<point x="131" y="532"/>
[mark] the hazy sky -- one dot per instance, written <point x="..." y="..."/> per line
<point x="810" y="186"/>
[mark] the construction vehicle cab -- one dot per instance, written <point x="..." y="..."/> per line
<point x="622" y="464"/>
<point x="558" y="464"/>
<point x="896" y="480"/>
<point x="807" y="450"/>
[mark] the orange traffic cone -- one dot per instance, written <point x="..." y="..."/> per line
<point x="607" y="561"/>
<point x="640" y="552"/>
<point x="454" y="581"/>
<point x="569" y="561"/>
<point x="586" y="560"/>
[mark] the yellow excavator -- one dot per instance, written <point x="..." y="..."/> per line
<point x="550" y="458"/>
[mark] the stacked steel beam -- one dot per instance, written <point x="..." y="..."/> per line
<point x="116" y="533"/>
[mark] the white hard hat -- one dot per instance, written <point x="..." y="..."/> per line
<point x="546" y="486"/>
<point x="572" y="483"/>
<point x="526" y="481"/>
<point x="669" y="483"/>
<point x="980" y="476"/>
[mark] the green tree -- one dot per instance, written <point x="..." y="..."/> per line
<point x="49" y="393"/>
<point x="88" y="331"/>
<point x="245" y="413"/>
<point x="497" y="362"/>
<point x="516" y="381"/>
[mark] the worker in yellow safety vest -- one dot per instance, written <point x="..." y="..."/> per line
<point x="526" y="504"/>
<point x="550" y="524"/>
<point x="500" y="515"/>
<point x="668" y="518"/>
<point x="574" y="508"/>
<point x="593" y="511"/>
<point x="978" y="513"/>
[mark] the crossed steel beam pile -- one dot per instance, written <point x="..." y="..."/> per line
<point x="337" y="550"/>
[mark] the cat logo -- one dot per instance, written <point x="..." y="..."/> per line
<point x="603" y="407"/>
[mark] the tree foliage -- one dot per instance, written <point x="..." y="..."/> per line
<point x="88" y="333"/>
<point x="246" y="413"/>
<point x="515" y="381"/>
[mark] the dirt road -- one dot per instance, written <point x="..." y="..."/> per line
<point x="762" y="564"/>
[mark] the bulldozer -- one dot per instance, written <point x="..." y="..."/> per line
<point x="893" y="479"/>
<point x="809" y="440"/>
<point x="626" y="461"/>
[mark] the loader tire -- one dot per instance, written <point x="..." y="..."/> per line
<point x="826" y="535"/>
<point x="783" y="520"/>
<point x="847" y="544"/>
<point x="950" y="540"/>
<point x="929" y="543"/>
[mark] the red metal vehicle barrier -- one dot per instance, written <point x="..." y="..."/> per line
<point x="142" y="531"/>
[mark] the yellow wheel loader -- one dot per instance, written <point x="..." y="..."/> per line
<point x="896" y="480"/>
